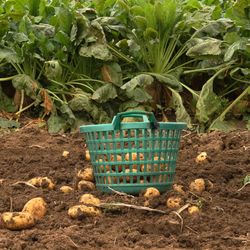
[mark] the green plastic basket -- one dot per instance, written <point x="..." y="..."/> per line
<point x="130" y="157"/>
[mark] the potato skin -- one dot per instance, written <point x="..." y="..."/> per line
<point x="66" y="189"/>
<point x="86" y="174"/>
<point x="151" y="192"/>
<point x="89" y="199"/>
<point x="85" y="185"/>
<point x="17" y="220"/>
<point x="43" y="182"/>
<point x="197" y="186"/>
<point x="174" y="202"/>
<point x="37" y="207"/>
<point x="79" y="211"/>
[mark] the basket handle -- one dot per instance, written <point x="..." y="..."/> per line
<point x="146" y="116"/>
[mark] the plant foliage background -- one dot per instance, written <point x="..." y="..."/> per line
<point x="72" y="62"/>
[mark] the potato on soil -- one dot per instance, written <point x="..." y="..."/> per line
<point x="174" y="202"/>
<point x="193" y="210"/>
<point x="201" y="158"/>
<point x="43" y="182"/>
<point x="151" y="192"/>
<point x="85" y="185"/>
<point x="79" y="211"/>
<point x="87" y="155"/>
<point x="179" y="189"/>
<point x="37" y="207"/>
<point x="86" y="174"/>
<point x="197" y="186"/>
<point x="16" y="220"/>
<point x="65" y="153"/>
<point x="66" y="189"/>
<point x="90" y="199"/>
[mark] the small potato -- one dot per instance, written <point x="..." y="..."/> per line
<point x="79" y="211"/>
<point x="174" y="202"/>
<point x="134" y="156"/>
<point x="179" y="189"/>
<point x="87" y="155"/>
<point x="117" y="159"/>
<point x="89" y="199"/>
<point x="193" y="210"/>
<point x="43" y="182"/>
<point x="86" y="174"/>
<point x="127" y="176"/>
<point x="16" y="220"/>
<point x="66" y="189"/>
<point x="201" y="158"/>
<point x="65" y="153"/>
<point x="109" y="179"/>
<point x="85" y="185"/>
<point x="102" y="168"/>
<point x="197" y="186"/>
<point x="151" y="193"/>
<point x="37" y="207"/>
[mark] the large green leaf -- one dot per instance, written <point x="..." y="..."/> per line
<point x="208" y="103"/>
<point x="225" y="126"/>
<point x="142" y="80"/>
<point x="4" y="123"/>
<point x="56" y="124"/>
<point x="82" y="102"/>
<point x="169" y="80"/>
<point x="205" y="47"/>
<point x="8" y="55"/>
<point x="105" y="93"/>
<point x="180" y="111"/>
<point x="98" y="51"/>
<point x="239" y="45"/>
<point x="26" y="83"/>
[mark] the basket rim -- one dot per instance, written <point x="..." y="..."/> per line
<point x="132" y="125"/>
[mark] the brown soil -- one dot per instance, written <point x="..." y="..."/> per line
<point x="224" y="221"/>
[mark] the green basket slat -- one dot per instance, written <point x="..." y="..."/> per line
<point x="148" y="138"/>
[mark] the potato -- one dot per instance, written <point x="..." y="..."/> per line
<point x="37" y="207"/>
<point x="127" y="176"/>
<point x="66" y="189"/>
<point x="193" y="210"/>
<point x="79" y="211"/>
<point x="86" y="174"/>
<point x="65" y="153"/>
<point x="87" y="155"/>
<point x="174" y="202"/>
<point x="118" y="158"/>
<point x="89" y="199"/>
<point x="85" y="185"/>
<point x="43" y="182"/>
<point x="197" y="186"/>
<point x="16" y="220"/>
<point x="109" y="179"/>
<point x="102" y="168"/>
<point x="201" y="158"/>
<point x="151" y="192"/>
<point x="179" y="189"/>
<point x="134" y="156"/>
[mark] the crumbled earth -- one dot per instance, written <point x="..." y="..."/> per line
<point x="223" y="223"/>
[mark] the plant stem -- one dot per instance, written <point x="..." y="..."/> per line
<point x="25" y="108"/>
